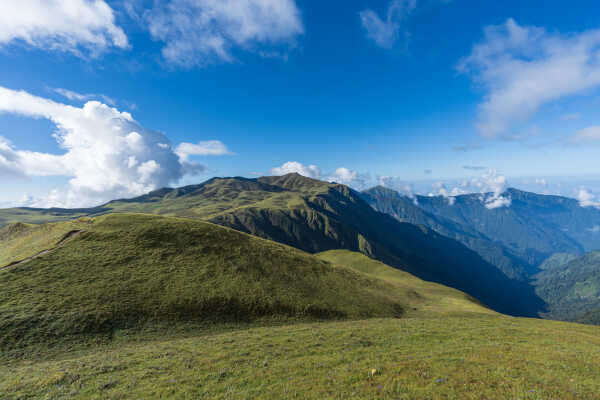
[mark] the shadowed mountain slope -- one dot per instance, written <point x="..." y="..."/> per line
<point x="534" y="226"/>
<point x="405" y="210"/>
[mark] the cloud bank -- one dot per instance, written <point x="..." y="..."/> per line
<point x="69" y="26"/>
<point x="200" y="32"/>
<point x="107" y="154"/>
<point x="522" y="68"/>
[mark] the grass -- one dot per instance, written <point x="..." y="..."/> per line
<point x="422" y="298"/>
<point x="476" y="357"/>
<point x="141" y="306"/>
<point x="131" y="271"/>
<point x="19" y="241"/>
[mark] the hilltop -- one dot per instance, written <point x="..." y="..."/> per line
<point x="126" y="271"/>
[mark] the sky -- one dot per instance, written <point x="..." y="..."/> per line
<point x="104" y="99"/>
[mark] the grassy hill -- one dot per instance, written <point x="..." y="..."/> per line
<point x="142" y="306"/>
<point x="126" y="271"/>
<point x="317" y="216"/>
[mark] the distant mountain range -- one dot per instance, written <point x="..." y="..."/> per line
<point x="496" y="255"/>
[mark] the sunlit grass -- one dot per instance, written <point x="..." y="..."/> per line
<point x="481" y="357"/>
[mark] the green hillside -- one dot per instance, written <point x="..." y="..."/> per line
<point x="317" y="216"/>
<point x="127" y="271"/>
<point x="572" y="289"/>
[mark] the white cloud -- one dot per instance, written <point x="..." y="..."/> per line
<point x="342" y="175"/>
<point x="440" y="189"/>
<point x="206" y="148"/>
<point x="200" y="32"/>
<point x="594" y="229"/>
<point x="587" y="199"/>
<point x="493" y="187"/>
<point x="69" y="26"/>
<point x="350" y="178"/>
<point x="107" y="153"/>
<point x="311" y="171"/>
<point x="522" y="68"/>
<point x="587" y="135"/>
<point x="386" y="32"/>
<point x="74" y="96"/>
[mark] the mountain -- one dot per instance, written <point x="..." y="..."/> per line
<point x="316" y="216"/>
<point x="533" y="227"/>
<point x="405" y="209"/>
<point x="572" y="289"/>
<point x="123" y="271"/>
<point x="151" y="306"/>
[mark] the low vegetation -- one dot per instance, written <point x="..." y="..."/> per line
<point x="129" y="271"/>
<point x="477" y="357"/>
<point x="142" y="306"/>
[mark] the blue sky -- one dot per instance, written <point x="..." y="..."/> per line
<point x="367" y="92"/>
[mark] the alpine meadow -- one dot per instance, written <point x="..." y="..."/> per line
<point x="285" y="199"/>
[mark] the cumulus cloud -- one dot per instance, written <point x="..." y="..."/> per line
<point x="587" y="199"/>
<point x="200" y="32"/>
<point x="492" y="186"/>
<point x="522" y="68"/>
<point x="350" y="178"/>
<point x="311" y="171"/>
<point x="385" y="32"/>
<point x="69" y="26"/>
<point x="107" y="154"/>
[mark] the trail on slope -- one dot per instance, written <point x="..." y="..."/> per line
<point x="61" y="242"/>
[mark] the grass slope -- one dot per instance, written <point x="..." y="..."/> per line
<point x="422" y="298"/>
<point x="19" y="241"/>
<point x="132" y="270"/>
<point x="415" y="358"/>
